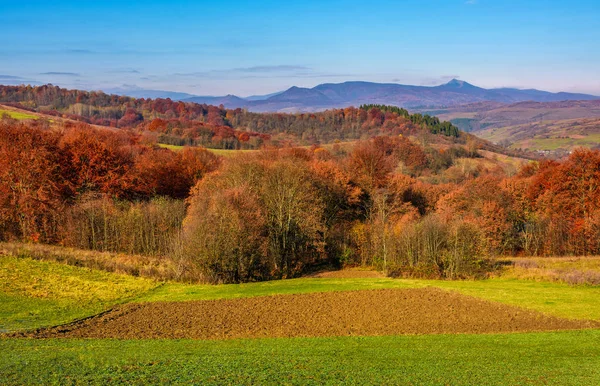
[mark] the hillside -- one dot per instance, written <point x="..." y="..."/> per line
<point x="488" y="115"/>
<point x="194" y="124"/>
<point x="526" y="126"/>
<point x="556" y="137"/>
<point x="552" y="128"/>
<point x="177" y="124"/>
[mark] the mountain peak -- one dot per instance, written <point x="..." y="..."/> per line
<point x="301" y="94"/>
<point x="458" y="83"/>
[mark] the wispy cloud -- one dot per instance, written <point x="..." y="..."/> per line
<point x="123" y="71"/>
<point x="301" y="76"/>
<point x="269" y="69"/>
<point x="277" y="68"/>
<point x="471" y="2"/>
<point x="78" y="51"/>
<point x="59" y="73"/>
<point x="282" y="71"/>
<point x="9" y="77"/>
<point x="16" y="80"/>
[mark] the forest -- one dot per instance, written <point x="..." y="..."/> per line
<point x="178" y="123"/>
<point x="386" y="202"/>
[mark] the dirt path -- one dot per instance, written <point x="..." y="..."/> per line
<point x="371" y="312"/>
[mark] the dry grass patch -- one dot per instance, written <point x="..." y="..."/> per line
<point x="582" y="270"/>
<point x="154" y="267"/>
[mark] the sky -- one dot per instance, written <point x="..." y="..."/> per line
<point x="259" y="47"/>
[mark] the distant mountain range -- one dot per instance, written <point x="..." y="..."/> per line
<point x="336" y="95"/>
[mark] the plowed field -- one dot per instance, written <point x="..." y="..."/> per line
<point x="371" y="312"/>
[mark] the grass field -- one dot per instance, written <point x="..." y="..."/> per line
<point x="221" y="152"/>
<point x="347" y="146"/>
<point x="40" y="293"/>
<point x="17" y="114"/>
<point x="564" y="358"/>
<point x="37" y="293"/>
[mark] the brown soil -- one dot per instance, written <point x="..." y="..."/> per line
<point x="371" y="312"/>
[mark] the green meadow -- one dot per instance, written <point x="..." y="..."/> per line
<point x="41" y="293"/>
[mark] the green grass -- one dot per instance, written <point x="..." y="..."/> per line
<point x="171" y="147"/>
<point x="229" y="153"/>
<point x="17" y="114"/>
<point x="575" y="302"/>
<point x="37" y="293"/>
<point x="563" y="143"/>
<point x="563" y="358"/>
<point x="185" y="292"/>
<point x="221" y="152"/>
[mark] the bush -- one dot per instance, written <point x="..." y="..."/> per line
<point x="432" y="248"/>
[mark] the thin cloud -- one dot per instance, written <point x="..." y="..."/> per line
<point x="78" y="51"/>
<point x="10" y="77"/>
<point x="300" y="75"/>
<point x="281" y="68"/>
<point x="123" y="71"/>
<point x="60" y="73"/>
<point x="17" y="80"/>
<point x="471" y="2"/>
<point x="277" y="68"/>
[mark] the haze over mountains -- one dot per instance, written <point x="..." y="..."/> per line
<point x="335" y="95"/>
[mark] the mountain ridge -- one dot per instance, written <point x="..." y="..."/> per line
<point x="354" y="93"/>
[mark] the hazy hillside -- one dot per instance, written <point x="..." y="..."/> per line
<point x="550" y="127"/>
<point x="554" y="137"/>
<point x="481" y="116"/>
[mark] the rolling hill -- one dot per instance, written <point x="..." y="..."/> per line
<point x="550" y="137"/>
<point x="488" y="115"/>
<point x="553" y="128"/>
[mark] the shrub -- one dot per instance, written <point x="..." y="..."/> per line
<point x="432" y="248"/>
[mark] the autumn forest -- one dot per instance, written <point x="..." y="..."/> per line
<point x="372" y="186"/>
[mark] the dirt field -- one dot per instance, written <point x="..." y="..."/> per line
<point x="371" y="312"/>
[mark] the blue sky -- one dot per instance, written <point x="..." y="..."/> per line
<point x="258" y="47"/>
